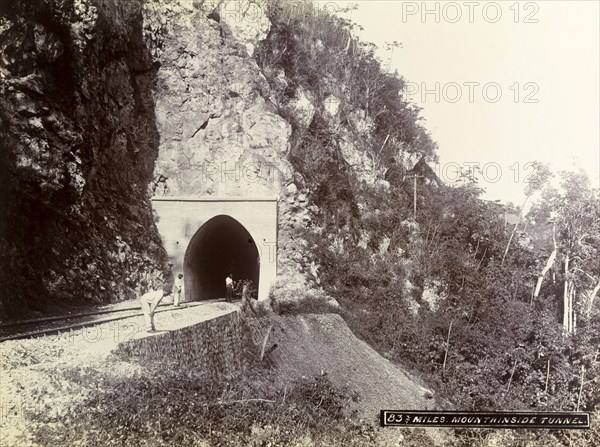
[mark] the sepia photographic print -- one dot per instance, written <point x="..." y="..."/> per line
<point x="299" y="223"/>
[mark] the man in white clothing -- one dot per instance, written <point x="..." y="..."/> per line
<point x="149" y="302"/>
<point x="177" y="289"/>
<point x="229" y="287"/>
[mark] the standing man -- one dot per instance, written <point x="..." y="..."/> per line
<point x="229" y="286"/>
<point x="149" y="302"/>
<point x="177" y="288"/>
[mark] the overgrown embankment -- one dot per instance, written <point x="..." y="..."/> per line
<point x="173" y="388"/>
<point x="78" y="141"/>
<point x="307" y="345"/>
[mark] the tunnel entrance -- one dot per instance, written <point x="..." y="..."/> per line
<point x="221" y="246"/>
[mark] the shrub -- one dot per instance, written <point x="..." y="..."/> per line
<point x="166" y="407"/>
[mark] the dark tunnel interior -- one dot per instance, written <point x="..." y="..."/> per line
<point x="221" y="246"/>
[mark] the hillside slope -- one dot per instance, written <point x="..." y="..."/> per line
<point x="308" y="345"/>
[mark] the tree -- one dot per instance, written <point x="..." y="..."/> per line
<point x="540" y="176"/>
<point x="573" y="209"/>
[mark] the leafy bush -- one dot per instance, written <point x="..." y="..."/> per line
<point x="485" y="345"/>
<point x="309" y="304"/>
<point x="165" y="407"/>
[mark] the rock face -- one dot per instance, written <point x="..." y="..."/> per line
<point x="79" y="142"/>
<point x="219" y="136"/>
<point x="220" y="133"/>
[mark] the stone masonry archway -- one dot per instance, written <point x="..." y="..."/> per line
<point x="208" y="238"/>
<point x="220" y="247"/>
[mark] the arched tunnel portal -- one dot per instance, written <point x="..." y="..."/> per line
<point x="206" y="238"/>
<point x="220" y="247"/>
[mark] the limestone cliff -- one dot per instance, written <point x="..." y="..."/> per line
<point x="221" y="134"/>
<point x="106" y="103"/>
<point x="218" y="134"/>
<point x="79" y="142"/>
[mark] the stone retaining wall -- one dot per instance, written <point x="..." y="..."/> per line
<point x="212" y="346"/>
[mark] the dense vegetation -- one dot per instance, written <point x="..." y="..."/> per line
<point x="318" y="53"/>
<point x="493" y="316"/>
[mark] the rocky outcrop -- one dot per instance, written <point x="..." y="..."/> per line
<point x="78" y="147"/>
<point x="219" y="136"/>
<point x="106" y="103"/>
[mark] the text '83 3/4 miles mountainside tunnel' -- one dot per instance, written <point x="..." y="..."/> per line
<point x="220" y="247"/>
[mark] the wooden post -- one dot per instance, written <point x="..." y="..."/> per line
<point x="447" y="346"/>
<point x="580" y="387"/>
<point x="414" y="177"/>
<point x="547" y="376"/>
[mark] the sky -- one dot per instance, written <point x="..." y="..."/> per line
<point x="500" y="84"/>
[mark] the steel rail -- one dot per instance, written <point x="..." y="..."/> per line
<point x="83" y="324"/>
<point x="65" y="317"/>
<point x="85" y="314"/>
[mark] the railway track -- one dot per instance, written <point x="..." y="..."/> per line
<point x="58" y="324"/>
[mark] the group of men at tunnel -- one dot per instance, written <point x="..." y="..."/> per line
<point x="151" y="300"/>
